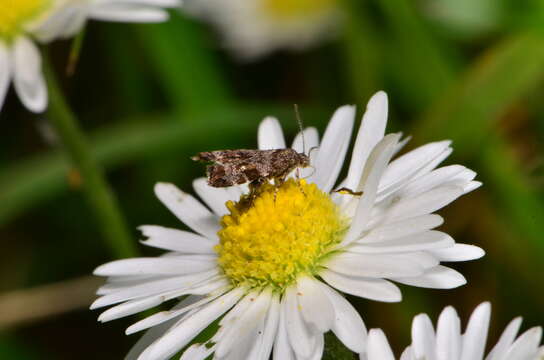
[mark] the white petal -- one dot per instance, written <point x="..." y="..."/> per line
<point x="475" y="336"/>
<point x="507" y="338"/>
<point x="333" y="148"/>
<point x="423" y="338"/>
<point x="471" y="186"/>
<point x="189" y="210"/>
<point x="188" y="304"/>
<point x="214" y="197"/>
<point x="181" y="334"/>
<point x="5" y="72"/>
<point x="282" y="347"/>
<point x="378" y="347"/>
<point x="438" y="277"/>
<point x="526" y="346"/>
<point x="129" y="308"/>
<point x="458" y="252"/>
<point x="448" y="335"/>
<point x="300" y="335"/>
<point x="306" y="141"/>
<point x="154" y="288"/>
<point x="270" y="135"/>
<point x="244" y="328"/>
<point x="348" y="326"/>
<point x="263" y="349"/>
<point x="375" y="265"/>
<point x="402" y="228"/>
<point x="176" y="240"/>
<point x="409" y="164"/>
<point x="374" y="168"/>
<point x="374" y="289"/>
<point x="313" y="301"/>
<point x="197" y="352"/>
<point x="370" y="133"/>
<point x="127" y="13"/>
<point x="423" y="204"/>
<point x="427" y="240"/>
<point x="175" y="265"/>
<point x="148" y="338"/>
<point x="27" y="75"/>
<point x="448" y="175"/>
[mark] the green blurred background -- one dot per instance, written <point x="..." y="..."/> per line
<point x="150" y="96"/>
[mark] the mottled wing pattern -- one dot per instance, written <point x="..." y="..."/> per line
<point x="235" y="167"/>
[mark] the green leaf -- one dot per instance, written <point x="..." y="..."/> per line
<point x="473" y="105"/>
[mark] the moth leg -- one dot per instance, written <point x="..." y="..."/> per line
<point x="346" y="191"/>
<point x="254" y="189"/>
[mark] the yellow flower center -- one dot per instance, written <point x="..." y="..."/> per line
<point x="14" y="14"/>
<point x="289" y="9"/>
<point x="281" y="233"/>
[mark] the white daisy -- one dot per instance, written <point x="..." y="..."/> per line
<point x="447" y="342"/>
<point x="20" y="59"/>
<point x="255" y="28"/>
<point x="23" y="21"/>
<point x="267" y="268"/>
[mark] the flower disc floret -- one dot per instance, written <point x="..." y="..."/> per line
<point x="16" y="13"/>
<point x="289" y="9"/>
<point x="281" y="233"/>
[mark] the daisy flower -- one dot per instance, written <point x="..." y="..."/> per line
<point x="20" y="59"/>
<point x="255" y="28"/>
<point x="447" y="342"/>
<point x="23" y="21"/>
<point x="269" y="268"/>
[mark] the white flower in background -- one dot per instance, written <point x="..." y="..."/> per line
<point x="75" y="13"/>
<point x="23" y="21"/>
<point x="20" y="59"/>
<point x="448" y="343"/>
<point x="271" y="265"/>
<point x="255" y="28"/>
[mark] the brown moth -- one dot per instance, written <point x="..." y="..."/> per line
<point x="236" y="167"/>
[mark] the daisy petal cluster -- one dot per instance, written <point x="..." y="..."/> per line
<point x="271" y="266"/>
<point x="73" y="14"/>
<point x="254" y="28"/>
<point x="448" y="343"/>
<point x="22" y="22"/>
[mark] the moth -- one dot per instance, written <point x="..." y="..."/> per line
<point x="236" y="167"/>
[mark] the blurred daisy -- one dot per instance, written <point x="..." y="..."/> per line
<point x="255" y="28"/>
<point x="20" y="59"/>
<point x="268" y="268"/>
<point x="447" y="343"/>
<point x="23" y="21"/>
<point x="73" y="14"/>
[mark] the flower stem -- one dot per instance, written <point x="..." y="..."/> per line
<point x="98" y="192"/>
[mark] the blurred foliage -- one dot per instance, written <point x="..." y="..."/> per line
<point x="150" y="96"/>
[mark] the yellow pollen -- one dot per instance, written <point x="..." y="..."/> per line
<point x="292" y="9"/>
<point x="280" y="234"/>
<point x="14" y="14"/>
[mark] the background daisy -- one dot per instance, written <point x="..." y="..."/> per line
<point x="447" y="342"/>
<point x="254" y="28"/>
<point x="271" y="263"/>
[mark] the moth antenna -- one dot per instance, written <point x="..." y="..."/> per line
<point x="300" y="127"/>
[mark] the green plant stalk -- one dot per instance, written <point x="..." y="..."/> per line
<point x="98" y="193"/>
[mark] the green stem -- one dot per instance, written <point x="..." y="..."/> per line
<point x="98" y="193"/>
